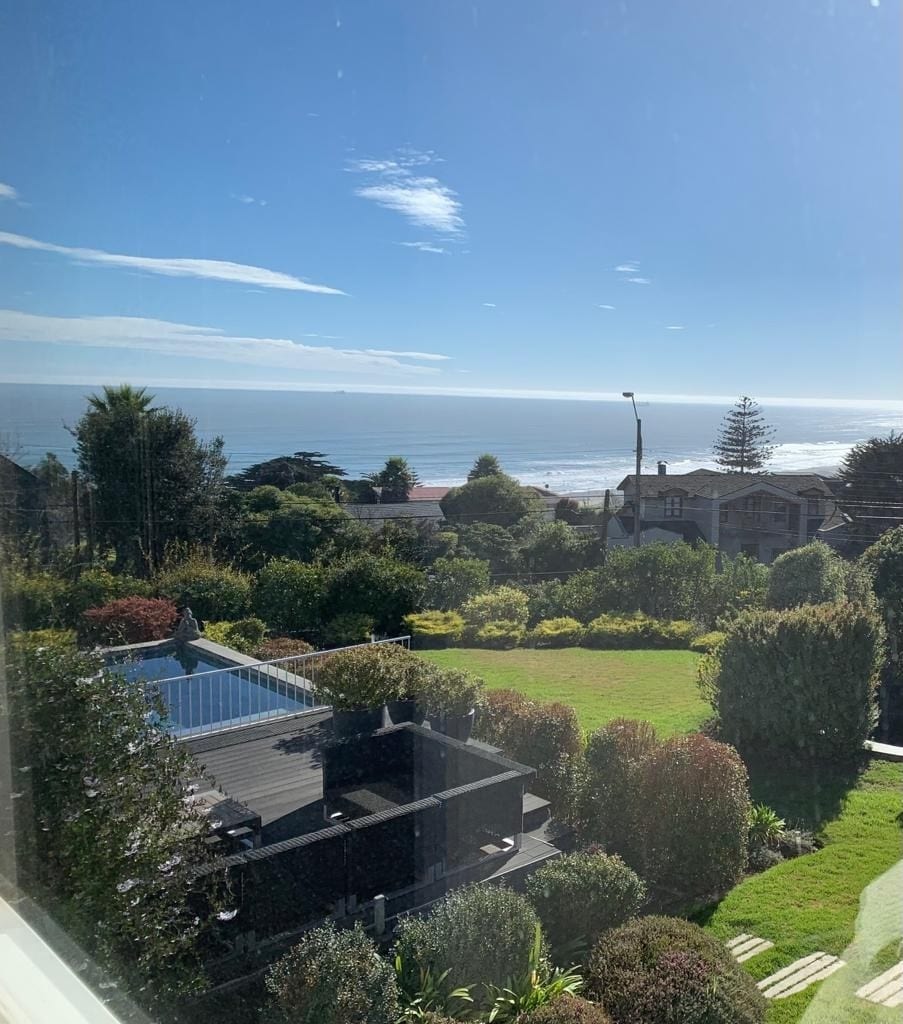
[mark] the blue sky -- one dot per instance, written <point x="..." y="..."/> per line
<point x="691" y="197"/>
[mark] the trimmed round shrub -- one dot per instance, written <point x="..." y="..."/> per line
<point x="369" y="676"/>
<point x="131" y="620"/>
<point x="275" y="647"/>
<point x="565" y="1009"/>
<point x="581" y="895"/>
<point x="547" y="737"/>
<point x="525" y="729"/>
<point x="560" y="632"/>
<point x="502" y="604"/>
<point x="612" y="759"/>
<point x="435" y="628"/>
<point x="211" y="591"/>
<point x="289" y="596"/>
<point x="692" y="816"/>
<point x="662" y="970"/>
<point x="800" y="683"/>
<point x="450" y="691"/>
<point x="480" y="934"/>
<point x="813" y="574"/>
<point x="501" y="635"/>
<point x="333" y="977"/>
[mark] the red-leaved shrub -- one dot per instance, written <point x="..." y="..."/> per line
<point x="545" y="736"/>
<point x="694" y="812"/>
<point x="662" y="970"/>
<point x="565" y="1009"/>
<point x="131" y="620"/>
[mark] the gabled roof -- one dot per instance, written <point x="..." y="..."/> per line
<point x="708" y="483"/>
<point x="427" y="493"/>
<point x="395" y="510"/>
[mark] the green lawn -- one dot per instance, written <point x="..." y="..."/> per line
<point x="659" y="686"/>
<point x="845" y="899"/>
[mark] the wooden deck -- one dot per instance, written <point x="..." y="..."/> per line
<point x="274" y="769"/>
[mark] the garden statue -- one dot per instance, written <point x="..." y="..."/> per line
<point x="187" y="628"/>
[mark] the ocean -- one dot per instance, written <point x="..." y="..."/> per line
<point x="572" y="447"/>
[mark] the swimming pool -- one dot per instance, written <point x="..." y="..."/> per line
<point x="204" y="694"/>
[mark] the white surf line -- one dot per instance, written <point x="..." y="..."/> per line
<point x="744" y="947"/>
<point x="886" y="989"/>
<point x="800" y="975"/>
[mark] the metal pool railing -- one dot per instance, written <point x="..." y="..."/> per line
<point x="236" y="695"/>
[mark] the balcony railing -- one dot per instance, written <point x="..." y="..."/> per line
<point x="237" y="695"/>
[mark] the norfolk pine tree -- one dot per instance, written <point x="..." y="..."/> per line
<point x="744" y="443"/>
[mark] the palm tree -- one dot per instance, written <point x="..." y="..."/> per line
<point x="121" y="398"/>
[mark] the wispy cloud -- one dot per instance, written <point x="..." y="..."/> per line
<point x="427" y="356"/>
<point x="489" y="305"/>
<point x="424" y="247"/>
<point x="7" y="192"/>
<point x="199" y="342"/>
<point x="639" y="280"/>
<point x="423" y="200"/>
<point x="630" y="267"/>
<point x="675" y="327"/>
<point x="603" y="305"/>
<point x="219" y="270"/>
<point x="249" y="200"/>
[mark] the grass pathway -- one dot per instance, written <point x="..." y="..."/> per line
<point x="659" y="686"/>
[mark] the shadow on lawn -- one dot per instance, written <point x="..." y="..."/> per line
<point x="806" y="796"/>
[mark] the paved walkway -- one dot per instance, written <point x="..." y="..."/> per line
<point x="886" y="989"/>
<point x="744" y="947"/>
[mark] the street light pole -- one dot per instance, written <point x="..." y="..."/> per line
<point x="637" y="526"/>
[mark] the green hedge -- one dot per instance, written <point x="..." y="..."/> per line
<point x="626" y="631"/>
<point x="500" y="635"/>
<point x="558" y="632"/>
<point x="435" y="628"/>
<point x="798" y="684"/>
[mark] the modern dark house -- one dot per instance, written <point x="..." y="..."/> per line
<point x="761" y="515"/>
<point x="368" y="827"/>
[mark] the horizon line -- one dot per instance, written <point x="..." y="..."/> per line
<point x="542" y="394"/>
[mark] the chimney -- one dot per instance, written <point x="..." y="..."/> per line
<point x="662" y="469"/>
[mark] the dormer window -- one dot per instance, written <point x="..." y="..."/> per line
<point x="674" y="507"/>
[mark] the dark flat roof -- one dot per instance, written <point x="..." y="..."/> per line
<point x="274" y="768"/>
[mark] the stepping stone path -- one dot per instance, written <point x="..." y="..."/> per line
<point x="800" y="975"/>
<point x="744" y="946"/>
<point x="886" y="989"/>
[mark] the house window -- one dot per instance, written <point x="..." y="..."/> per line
<point x="812" y="507"/>
<point x="752" y="508"/>
<point x="780" y="511"/>
<point x="674" y="507"/>
<point x="722" y="515"/>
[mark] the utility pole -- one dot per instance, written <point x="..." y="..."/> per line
<point x="637" y="525"/>
<point x="76" y="518"/>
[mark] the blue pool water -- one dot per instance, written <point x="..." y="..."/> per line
<point x="210" y="694"/>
